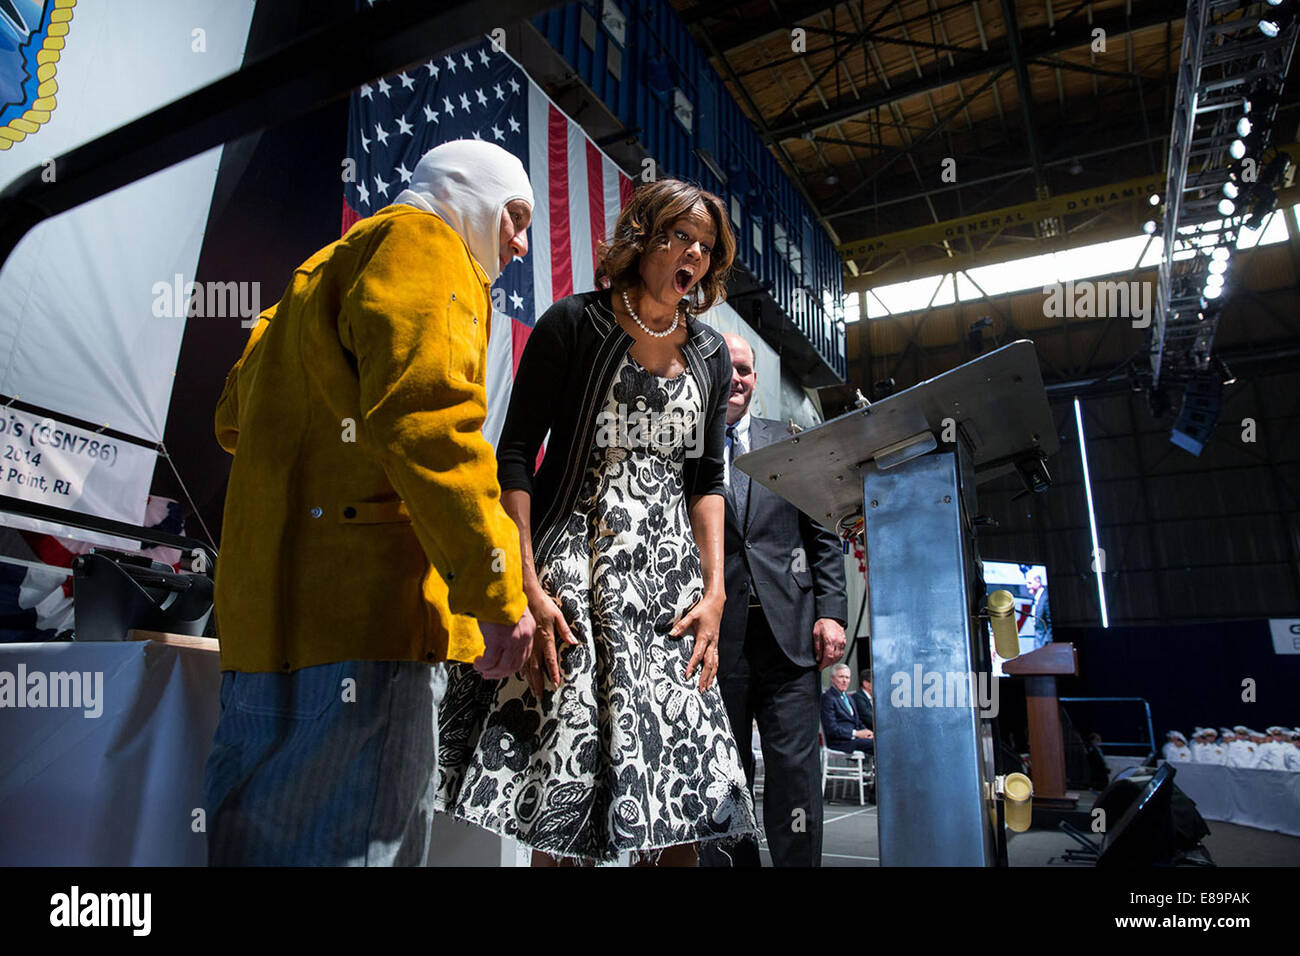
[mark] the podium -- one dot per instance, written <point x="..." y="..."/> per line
<point x="1040" y="668"/>
<point x="909" y="466"/>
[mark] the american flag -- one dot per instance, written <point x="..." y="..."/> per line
<point x="479" y="92"/>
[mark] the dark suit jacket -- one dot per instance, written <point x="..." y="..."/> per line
<point x="795" y="587"/>
<point x="866" y="712"/>
<point x="1042" y="619"/>
<point x="837" y="723"/>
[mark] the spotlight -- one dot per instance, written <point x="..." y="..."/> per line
<point x="1218" y="267"/>
<point x="1214" y="281"/>
<point x="1226" y="207"/>
<point x="1155" y="199"/>
<point x="1221" y="253"/>
<point x="1243" y="127"/>
<point x="1212" y="293"/>
<point x="1149" y="227"/>
<point x="1230" y="190"/>
<point x="1237" y="149"/>
<point x="1275" y="23"/>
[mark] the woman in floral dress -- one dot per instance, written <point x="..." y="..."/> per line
<point x="614" y="738"/>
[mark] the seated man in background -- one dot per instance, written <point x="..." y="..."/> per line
<point x="840" y="721"/>
<point x="1241" y="752"/>
<point x="1273" y="751"/>
<point x="1176" y="750"/>
<point x="1206" y="748"/>
<point x="864" y="701"/>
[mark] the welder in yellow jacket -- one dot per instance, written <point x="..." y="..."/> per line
<point x="364" y="538"/>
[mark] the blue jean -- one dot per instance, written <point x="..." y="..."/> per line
<point x="333" y="765"/>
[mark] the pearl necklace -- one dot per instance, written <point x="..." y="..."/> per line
<point x="646" y="329"/>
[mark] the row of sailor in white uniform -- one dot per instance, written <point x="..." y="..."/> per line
<point x="1277" y="748"/>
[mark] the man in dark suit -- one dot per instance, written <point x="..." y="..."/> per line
<point x="843" y="727"/>
<point x="863" y="702"/>
<point x="1041" y="610"/>
<point x="783" y="622"/>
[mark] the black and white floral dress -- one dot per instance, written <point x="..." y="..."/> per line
<point x="627" y="755"/>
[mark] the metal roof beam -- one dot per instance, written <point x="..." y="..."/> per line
<point x="1026" y="91"/>
<point x="1036" y="43"/>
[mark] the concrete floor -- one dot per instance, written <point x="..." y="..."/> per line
<point x="849" y="838"/>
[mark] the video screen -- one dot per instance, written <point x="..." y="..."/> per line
<point x="1028" y="585"/>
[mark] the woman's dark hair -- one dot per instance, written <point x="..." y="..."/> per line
<point x="643" y="226"/>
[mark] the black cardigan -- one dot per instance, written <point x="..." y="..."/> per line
<point x="563" y="378"/>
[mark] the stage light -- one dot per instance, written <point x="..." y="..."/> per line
<point x="1276" y="23"/>
<point x="1237" y="149"/>
<point x="1221" y="253"/>
<point x="1211" y="293"/>
<point x="1226" y="207"/>
<point x="1218" y="267"/>
<point x="1214" y="281"/>
<point x="1149" y="227"/>
<point x="1155" y="199"/>
<point x="1230" y="190"/>
<point x="1243" y="127"/>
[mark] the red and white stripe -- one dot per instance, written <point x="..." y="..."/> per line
<point x="579" y="192"/>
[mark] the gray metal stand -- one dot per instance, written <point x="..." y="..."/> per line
<point x="910" y="465"/>
<point x="927" y="664"/>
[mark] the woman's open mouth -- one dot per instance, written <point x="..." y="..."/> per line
<point x="682" y="280"/>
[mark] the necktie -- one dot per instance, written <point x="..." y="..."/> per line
<point x="739" y="480"/>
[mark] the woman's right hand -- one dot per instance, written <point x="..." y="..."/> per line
<point x="544" y="661"/>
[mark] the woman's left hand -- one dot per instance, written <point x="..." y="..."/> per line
<point x="703" y="619"/>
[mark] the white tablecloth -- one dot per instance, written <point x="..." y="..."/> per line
<point x="1268" y="799"/>
<point x="120" y="789"/>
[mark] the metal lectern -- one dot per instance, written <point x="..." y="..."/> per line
<point x="909" y="465"/>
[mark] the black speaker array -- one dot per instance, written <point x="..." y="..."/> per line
<point x="1199" y="413"/>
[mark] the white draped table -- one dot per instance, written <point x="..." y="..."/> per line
<point x="124" y="788"/>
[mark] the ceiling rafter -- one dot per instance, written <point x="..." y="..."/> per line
<point x="1034" y="44"/>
